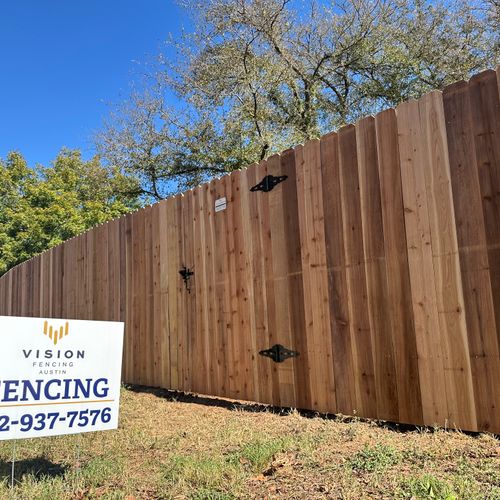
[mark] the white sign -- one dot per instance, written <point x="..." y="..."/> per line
<point x="220" y="204"/>
<point x="58" y="376"/>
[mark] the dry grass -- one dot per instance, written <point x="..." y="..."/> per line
<point x="207" y="448"/>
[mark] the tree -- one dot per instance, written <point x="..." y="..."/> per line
<point x="258" y="76"/>
<point x="165" y="150"/>
<point x="42" y="207"/>
<point x="16" y="180"/>
<point x="432" y="45"/>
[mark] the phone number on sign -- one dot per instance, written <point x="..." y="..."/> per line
<point x="41" y="421"/>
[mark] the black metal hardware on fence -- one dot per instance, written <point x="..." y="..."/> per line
<point x="186" y="274"/>
<point x="268" y="183"/>
<point x="279" y="353"/>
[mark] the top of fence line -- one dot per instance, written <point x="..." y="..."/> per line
<point x="449" y="88"/>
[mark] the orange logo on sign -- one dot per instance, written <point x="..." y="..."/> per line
<point x="55" y="334"/>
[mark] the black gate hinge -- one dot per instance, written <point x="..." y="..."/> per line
<point x="278" y="353"/>
<point x="268" y="183"/>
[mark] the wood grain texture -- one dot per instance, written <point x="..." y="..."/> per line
<point x="314" y="273"/>
<point x="420" y="261"/>
<point x="360" y="328"/>
<point x="373" y="247"/>
<point x="402" y="325"/>
<point x="376" y="259"/>
<point x="485" y="116"/>
<point x="447" y="278"/>
<point x="295" y="286"/>
<point x="473" y="253"/>
<point x="342" y="353"/>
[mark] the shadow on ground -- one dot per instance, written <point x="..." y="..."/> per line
<point x="38" y="467"/>
<point x="233" y="405"/>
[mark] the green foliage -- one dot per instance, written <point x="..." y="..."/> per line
<point x="374" y="459"/>
<point x="98" y="470"/>
<point x="259" y="453"/>
<point x="427" y="487"/>
<point x="42" y="207"/>
<point x="212" y="474"/>
<point x="204" y="494"/>
<point x="216" y="476"/>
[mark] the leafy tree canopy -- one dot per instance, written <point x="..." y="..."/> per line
<point x="42" y="207"/>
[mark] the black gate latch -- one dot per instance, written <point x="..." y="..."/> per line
<point x="268" y="183"/>
<point x="186" y="274"/>
<point x="278" y="353"/>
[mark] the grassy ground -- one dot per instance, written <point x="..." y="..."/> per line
<point x="210" y="449"/>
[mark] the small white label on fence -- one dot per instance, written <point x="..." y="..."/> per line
<point x="220" y="204"/>
<point x="58" y="376"/>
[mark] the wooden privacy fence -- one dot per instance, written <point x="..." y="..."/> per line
<point x="377" y="260"/>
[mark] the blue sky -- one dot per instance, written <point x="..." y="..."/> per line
<point x="61" y="61"/>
